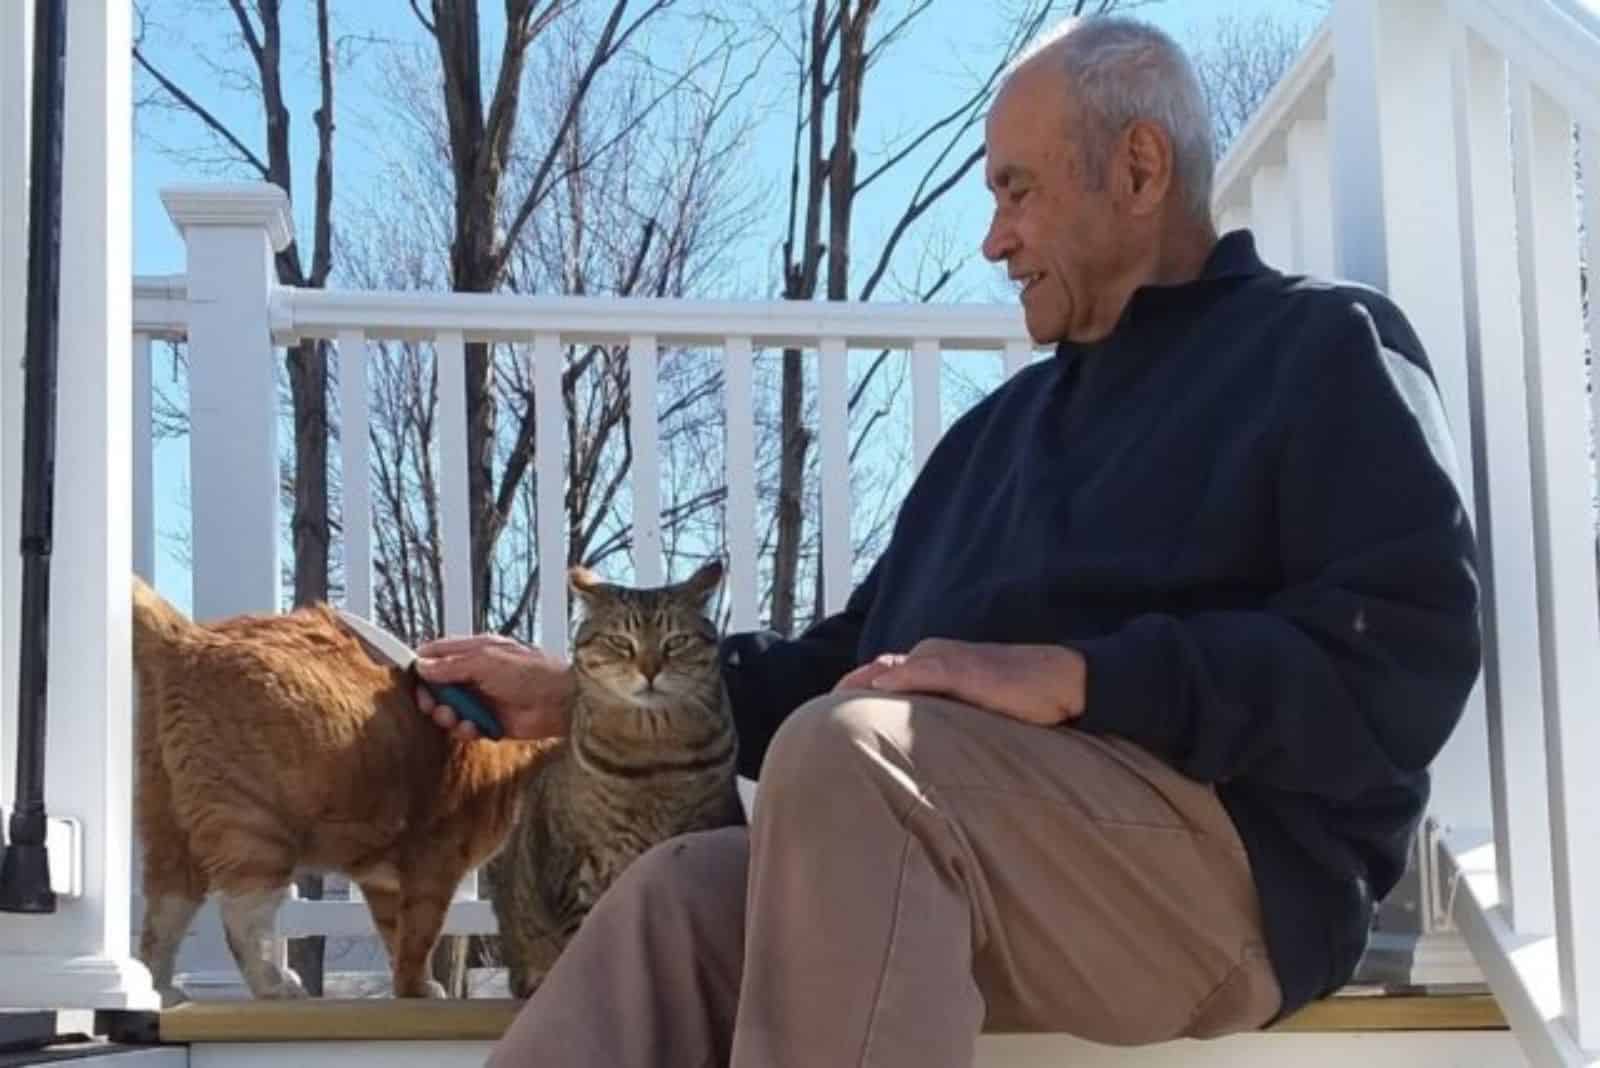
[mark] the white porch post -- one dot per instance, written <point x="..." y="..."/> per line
<point x="78" y="956"/>
<point x="1391" y="219"/>
<point x="231" y="232"/>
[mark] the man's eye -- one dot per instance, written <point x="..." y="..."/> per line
<point x="1018" y="194"/>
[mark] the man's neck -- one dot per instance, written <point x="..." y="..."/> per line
<point x="1179" y="255"/>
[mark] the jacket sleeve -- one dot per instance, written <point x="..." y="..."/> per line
<point x="768" y="677"/>
<point x="1350" y="676"/>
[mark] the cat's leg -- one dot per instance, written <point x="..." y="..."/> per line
<point x="380" y="885"/>
<point x="167" y="917"/>
<point x="250" y="861"/>
<point x="172" y="883"/>
<point x="250" y="920"/>
<point x="427" y="883"/>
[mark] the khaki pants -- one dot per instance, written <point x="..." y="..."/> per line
<point x="917" y="871"/>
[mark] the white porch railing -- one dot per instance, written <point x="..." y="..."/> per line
<point x="1449" y="128"/>
<point x="1421" y="146"/>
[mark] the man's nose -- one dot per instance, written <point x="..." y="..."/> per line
<point x="999" y="242"/>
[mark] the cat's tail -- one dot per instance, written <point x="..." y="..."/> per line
<point x="156" y="623"/>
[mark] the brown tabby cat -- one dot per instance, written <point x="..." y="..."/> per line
<point x="650" y="755"/>
<point x="273" y="743"/>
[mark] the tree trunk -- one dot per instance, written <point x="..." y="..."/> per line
<point x="308" y="385"/>
<point x="791" y="489"/>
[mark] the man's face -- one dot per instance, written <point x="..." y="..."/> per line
<point x="1054" y="228"/>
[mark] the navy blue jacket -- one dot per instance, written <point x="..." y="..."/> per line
<point x="1241" y="508"/>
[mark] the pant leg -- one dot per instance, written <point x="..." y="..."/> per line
<point x="652" y="976"/>
<point x="922" y="870"/>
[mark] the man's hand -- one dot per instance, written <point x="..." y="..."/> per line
<point x="1043" y="684"/>
<point x="526" y="688"/>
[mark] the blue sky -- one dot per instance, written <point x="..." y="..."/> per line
<point x="929" y="71"/>
<point x="934" y="63"/>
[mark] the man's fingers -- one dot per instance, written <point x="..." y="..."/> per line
<point x="861" y="677"/>
<point x="928" y="674"/>
<point x="466" y="666"/>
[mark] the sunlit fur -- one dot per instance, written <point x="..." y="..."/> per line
<point x="650" y="756"/>
<point x="271" y="743"/>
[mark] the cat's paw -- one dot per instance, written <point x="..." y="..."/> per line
<point x="432" y="988"/>
<point x="283" y="983"/>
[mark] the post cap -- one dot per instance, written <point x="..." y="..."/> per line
<point x="245" y="204"/>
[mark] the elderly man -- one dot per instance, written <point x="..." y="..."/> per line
<point x="1128" y="729"/>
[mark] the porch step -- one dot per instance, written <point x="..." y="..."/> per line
<point x="474" y="1020"/>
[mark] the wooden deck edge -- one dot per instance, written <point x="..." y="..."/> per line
<point x="378" y="1019"/>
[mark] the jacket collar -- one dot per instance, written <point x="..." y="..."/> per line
<point x="1232" y="258"/>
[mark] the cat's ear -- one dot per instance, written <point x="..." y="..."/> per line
<point x="585" y="583"/>
<point x="703" y="583"/>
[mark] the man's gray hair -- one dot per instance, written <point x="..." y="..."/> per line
<point x="1120" y="69"/>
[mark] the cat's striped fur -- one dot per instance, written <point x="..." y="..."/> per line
<point x="650" y="756"/>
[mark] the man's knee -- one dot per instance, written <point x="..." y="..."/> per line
<point x="837" y="739"/>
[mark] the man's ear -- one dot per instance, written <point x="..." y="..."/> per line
<point x="1145" y="166"/>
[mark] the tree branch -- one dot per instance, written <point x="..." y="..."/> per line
<point x="322" y="224"/>
<point x="247" y="30"/>
<point x="912" y="214"/>
<point x="199" y="112"/>
<point x="604" y="51"/>
<point x="415" y="7"/>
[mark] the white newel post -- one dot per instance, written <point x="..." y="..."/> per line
<point x="78" y="956"/>
<point x="231" y="232"/>
<point x="1391" y="108"/>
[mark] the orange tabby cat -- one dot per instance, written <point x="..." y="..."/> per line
<point x="272" y="743"/>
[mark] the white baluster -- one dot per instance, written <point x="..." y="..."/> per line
<point x="646" y="475"/>
<point x="143" y="462"/>
<point x="1499" y="417"/>
<point x="1233" y="217"/>
<point x="1311" y="196"/>
<point x="355" y="474"/>
<point x="739" y="524"/>
<point x="1017" y="355"/>
<point x="1272" y="215"/>
<point x="1563" y="536"/>
<point x="455" y="499"/>
<point x="926" y="417"/>
<point x="833" y="384"/>
<point x="550" y="456"/>
<point x="455" y="505"/>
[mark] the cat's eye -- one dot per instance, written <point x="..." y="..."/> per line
<point x="616" y="643"/>
<point x="678" y="643"/>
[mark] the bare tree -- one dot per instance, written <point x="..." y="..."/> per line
<point x="1239" y="60"/>
<point x="260" y="36"/>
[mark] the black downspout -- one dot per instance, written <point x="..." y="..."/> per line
<point x="25" y="868"/>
